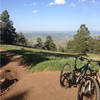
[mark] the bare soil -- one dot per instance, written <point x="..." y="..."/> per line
<point x="34" y="86"/>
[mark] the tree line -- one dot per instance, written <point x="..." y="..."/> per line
<point x="47" y="45"/>
<point x="82" y="42"/>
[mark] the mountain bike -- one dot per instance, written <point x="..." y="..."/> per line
<point x="73" y="76"/>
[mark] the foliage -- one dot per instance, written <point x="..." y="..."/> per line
<point x="70" y="46"/>
<point x="39" y="44"/>
<point x="49" y="44"/>
<point x="7" y="31"/>
<point x="61" y="49"/>
<point x="20" y="39"/>
<point x="81" y="39"/>
<point x="91" y="43"/>
<point x="97" y="45"/>
<point x="83" y="42"/>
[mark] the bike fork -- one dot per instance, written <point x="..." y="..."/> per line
<point x="83" y="91"/>
<point x="90" y="87"/>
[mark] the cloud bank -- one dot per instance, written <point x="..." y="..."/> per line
<point x="93" y="1"/>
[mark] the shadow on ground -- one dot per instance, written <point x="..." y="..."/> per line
<point x="30" y="58"/>
<point x="33" y="58"/>
<point x="19" y="96"/>
<point x="4" y="59"/>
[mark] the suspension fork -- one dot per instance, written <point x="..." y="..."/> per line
<point x="83" y="91"/>
<point x="78" y="78"/>
<point x="84" y="86"/>
<point x="90" y="87"/>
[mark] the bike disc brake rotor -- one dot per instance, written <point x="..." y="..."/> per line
<point x="65" y="80"/>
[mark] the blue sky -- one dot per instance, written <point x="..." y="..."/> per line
<point x="52" y="15"/>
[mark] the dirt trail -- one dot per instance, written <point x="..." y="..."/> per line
<point x="36" y="86"/>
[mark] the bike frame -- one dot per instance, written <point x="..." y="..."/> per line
<point x="82" y="70"/>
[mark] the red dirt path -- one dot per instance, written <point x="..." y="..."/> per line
<point x="35" y="86"/>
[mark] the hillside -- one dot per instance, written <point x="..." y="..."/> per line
<point x="42" y="59"/>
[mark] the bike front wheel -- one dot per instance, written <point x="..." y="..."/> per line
<point x="65" y="75"/>
<point x="89" y="89"/>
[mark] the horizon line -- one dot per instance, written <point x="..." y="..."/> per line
<point x="50" y="30"/>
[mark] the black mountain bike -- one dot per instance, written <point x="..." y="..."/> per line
<point x="72" y="77"/>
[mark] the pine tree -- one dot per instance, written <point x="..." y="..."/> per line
<point x="7" y="31"/>
<point x="39" y="44"/>
<point x="81" y="39"/>
<point x="20" y="39"/>
<point x="91" y="44"/>
<point x="97" y="45"/>
<point x="70" y="46"/>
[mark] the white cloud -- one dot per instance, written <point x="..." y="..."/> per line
<point x="57" y="2"/>
<point x="52" y="3"/>
<point x="35" y="11"/>
<point x="60" y="1"/>
<point x="73" y="4"/>
<point x="93" y="1"/>
<point x="30" y="4"/>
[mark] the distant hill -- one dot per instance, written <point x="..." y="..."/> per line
<point x="57" y="35"/>
<point x="60" y="37"/>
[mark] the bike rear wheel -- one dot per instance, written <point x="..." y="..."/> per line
<point x="89" y="90"/>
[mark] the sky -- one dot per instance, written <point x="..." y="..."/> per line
<point x="52" y="15"/>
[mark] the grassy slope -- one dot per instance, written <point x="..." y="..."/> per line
<point x="49" y="60"/>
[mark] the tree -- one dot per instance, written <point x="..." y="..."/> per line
<point x="7" y="31"/>
<point x="97" y="45"/>
<point x="91" y="44"/>
<point x="20" y="39"/>
<point x="49" y="44"/>
<point x="39" y="44"/>
<point x="81" y="39"/>
<point x="61" y="49"/>
<point x="70" y="46"/>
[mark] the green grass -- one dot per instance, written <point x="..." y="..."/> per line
<point x="39" y="60"/>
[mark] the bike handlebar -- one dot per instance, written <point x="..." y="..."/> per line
<point x="89" y="60"/>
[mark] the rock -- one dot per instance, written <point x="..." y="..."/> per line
<point x="2" y="76"/>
